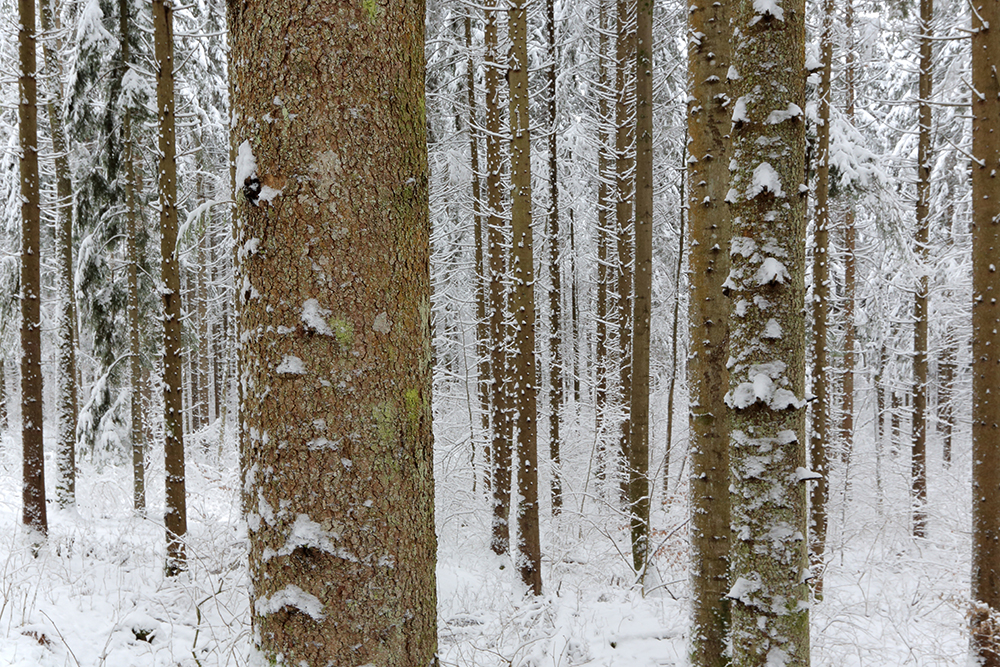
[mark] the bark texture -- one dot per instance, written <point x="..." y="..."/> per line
<point x="985" y="616"/>
<point x="33" y="462"/>
<point x="173" y="390"/>
<point x="524" y="386"/>
<point x="334" y="308"/>
<point x="921" y="312"/>
<point x="709" y="123"/>
<point x="556" y="371"/>
<point x="769" y="594"/>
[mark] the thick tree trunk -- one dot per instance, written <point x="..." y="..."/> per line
<point x="921" y="314"/>
<point x="525" y="381"/>
<point x="175" y="512"/>
<point x="34" y="514"/>
<point x="769" y="594"/>
<point x="709" y="122"/>
<point x="334" y="308"/>
<point x="985" y="616"/>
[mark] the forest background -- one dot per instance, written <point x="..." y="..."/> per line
<point x="97" y="594"/>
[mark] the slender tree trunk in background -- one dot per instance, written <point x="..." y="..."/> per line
<point x="132" y="259"/>
<point x="819" y="436"/>
<point x="881" y="426"/>
<point x="638" y="447"/>
<point x="946" y="394"/>
<point x="482" y="281"/>
<point x="204" y="366"/>
<point x="66" y="404"/>
<point x="675" y="319"/>
<point x="503" y="428"/>
<point x="850" y="363"/>
<point x="895" y="430"/>
<point x="525" y="384"/>
<point x="574" y="308"/>
<point x="985" y="339"/>
<point x="175" y="510"/>
<point x="3" y="395"/>
<point x="344" y="575"/>
<point x="33" y="462"/>
<point x="918" y="466"/>
<point x="624" y="198"/>
<point x="604" y="176"/>
<point x="767" y="392"/>
<point x="556" y="364"/>
<point x="709" y="122"/>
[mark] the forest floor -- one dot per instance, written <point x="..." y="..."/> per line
<point x="96" y="594"/>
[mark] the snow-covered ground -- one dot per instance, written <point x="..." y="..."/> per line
<point x="96" y="594"/>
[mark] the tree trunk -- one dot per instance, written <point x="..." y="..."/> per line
<point x="638" y="447"/>
<point x="34" y="514"/>
<point x="604" y="176"/>
<point x="173" y="396"/>
<point x="624" y="196"/>
<point x="503" y="429"/>
<point x="525" y="382"/>
<point x="769" y="594"/>
<point x="985" y="339"/>
<point x="918" y="466"/>
<point x="708" y="124"/>
<point x="819" y="436"/>
<point x="339" y="483"/>
<point x="555" y="276"/>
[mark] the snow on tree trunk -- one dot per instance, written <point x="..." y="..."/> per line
<point x="769" y="594"/>
<point x="333" y="288"/>
<point x="710" y="224"/>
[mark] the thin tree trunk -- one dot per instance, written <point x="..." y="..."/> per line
<point x="525" y="384"/>
<point x="985" y="613"/>
<point x="66" y="403"/>
<point x="709" y="123"/>
<point x="175" y="519"/>
<point x="34" y="514"/>
<point x="624" y="198"/>
<point x="604" y="176"/>
<point x="918" y="467"/>
<point x="482" y="280"/>
<point x="850" y="363"/>
<point x="500" y="450"/>
<point x="555" y="292"/>
<point x="819" y="436"/>
<point x="675" y="319"/>
<point x="638" y="447"/>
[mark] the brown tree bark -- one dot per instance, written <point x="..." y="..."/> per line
<point x="638" y="446"/>
<point x="921" y="313"/>
<point x="175" y="512"/>
<point x="501" y="419"/>
<point x="334" y="308"/>
<point x="708" y="124"/>
<point x="34" y="514"/>
<point x="819" y="436"/>
<point x="985" y="615"/>
<point x="556" y="368"/>
<point x="524" y="387"/>
<point x="604" y="176"/>
<point x="767" y="393"/>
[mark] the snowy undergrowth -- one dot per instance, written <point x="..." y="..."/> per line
<point x="96" y="595"/>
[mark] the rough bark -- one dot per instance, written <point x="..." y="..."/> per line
<point x="524" y="389"/>
<point x="710" y="225"/>
<point x="604" y="176"/>
<point x="819" y="436"/>
<point x="175" y="511"/>
<point x="34" y="514"/>
<point x="985" y="339"/>
<point x="503" y="429"/>
<point x="921" y="313"/>
<point x="769" y="595"/>
<point x="334" y="309"/>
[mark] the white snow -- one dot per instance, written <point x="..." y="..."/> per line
<point x="765" y="178"/>
<point x="246" y="165"/>
<point x="772" y="7"/>
<point x="315" y="317"/>
<point x="771" y="271"/>
<point x="291" y="365"/>
<point x="290" y="596"/>
<point x="740" y="111"/>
